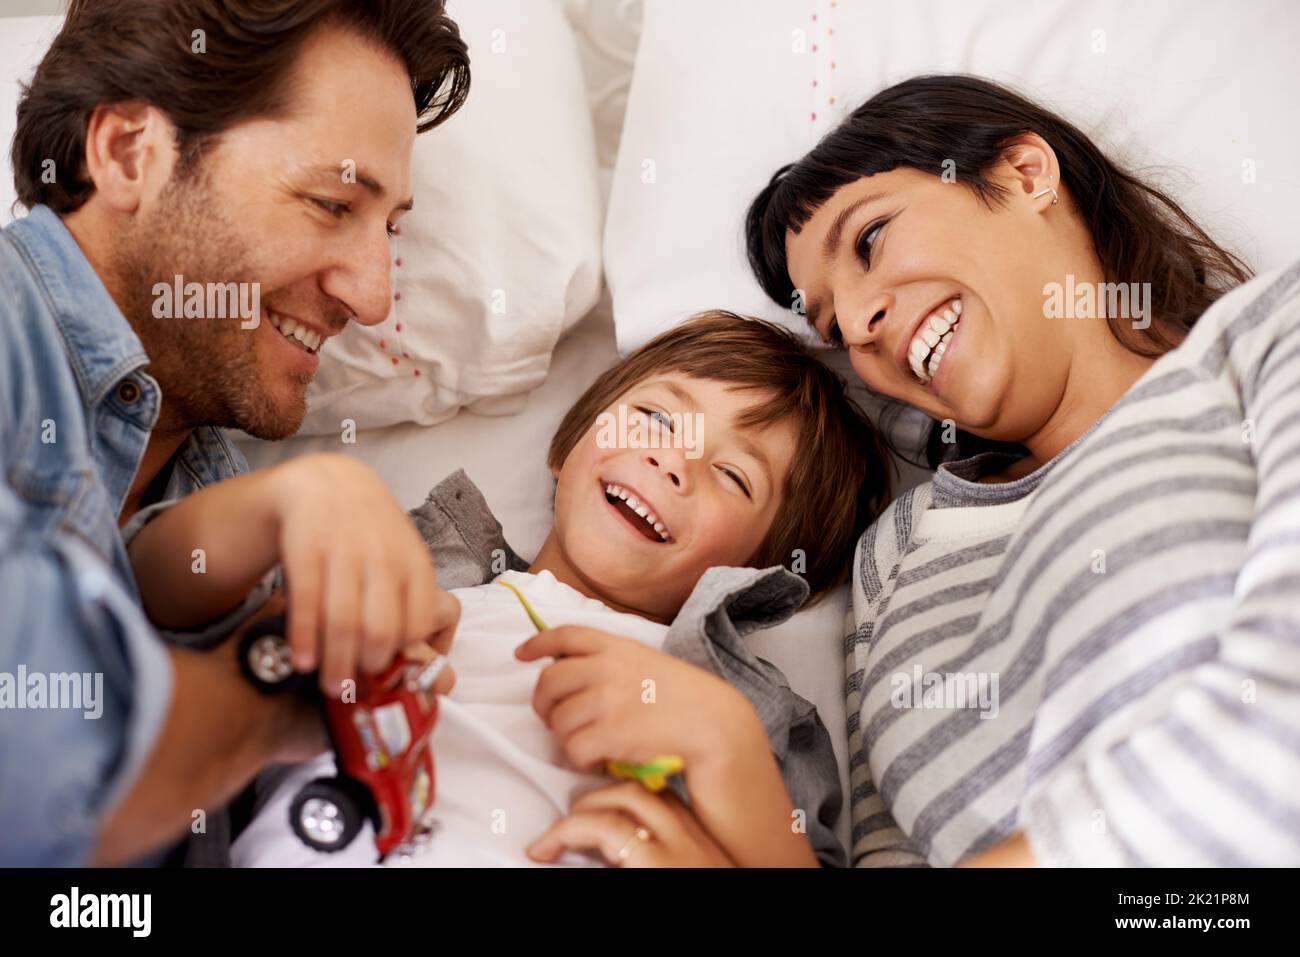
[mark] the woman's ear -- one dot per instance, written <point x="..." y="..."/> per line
<point x="1031" y="167"/>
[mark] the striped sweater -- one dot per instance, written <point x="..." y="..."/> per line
<point x="1104" y="654"/>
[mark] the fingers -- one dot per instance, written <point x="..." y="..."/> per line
<point x="443" y="619"/>
<point x="304" y="574"/>
<point x="574" y="713"/>
<point x="446" y="680"/>
<point x="636" y="803"/>
<point x="342" y="621"/>
<point x="611" y="835"/>
<point x="381" y="622"/>
<point x="560" y="680"/>
<point x="562" y="641"/>
<point x="585" y="748"/>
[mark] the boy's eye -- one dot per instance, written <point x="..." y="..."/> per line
<point x="737" y="479"/>
<point x="663" y="418"/>
<point x="833" y="334"/>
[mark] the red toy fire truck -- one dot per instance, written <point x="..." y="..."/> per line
<point x="381" y="746"/>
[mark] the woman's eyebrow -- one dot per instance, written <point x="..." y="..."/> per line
<point x="832" y="240"/>
<point x="837" y="227"/>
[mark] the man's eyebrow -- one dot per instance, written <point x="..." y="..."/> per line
<point x="372" y="185"/>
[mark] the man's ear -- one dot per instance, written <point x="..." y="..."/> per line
<point x="1030" y="165"/>
<point x="130" y="153"/>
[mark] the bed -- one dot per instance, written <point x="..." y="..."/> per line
<point x="648" y="270"/>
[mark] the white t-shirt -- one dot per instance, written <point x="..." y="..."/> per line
<point x="501" y="779"/>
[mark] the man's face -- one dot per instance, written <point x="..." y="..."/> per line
<point x="301" y="204"/>
<point x="712" y="502"/>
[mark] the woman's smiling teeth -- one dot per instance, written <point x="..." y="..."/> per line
<point x="292" y="329"/>
<point x="931" y="341"/>
<point x="616" y="493"/>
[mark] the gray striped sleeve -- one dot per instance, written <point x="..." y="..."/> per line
<point x="1212" y="777"/>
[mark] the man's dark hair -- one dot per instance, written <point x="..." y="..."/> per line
<point x="111" y="51"/>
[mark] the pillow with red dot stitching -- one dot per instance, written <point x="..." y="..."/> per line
<point x="724" y="93"/>
<point x="501" y="254"/>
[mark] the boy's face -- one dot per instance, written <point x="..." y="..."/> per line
<point x="712" y="487"/>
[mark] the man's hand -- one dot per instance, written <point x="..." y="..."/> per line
<point x="613" y="698"/>
<point x="219" y="732"/>
<point x="361" y="581"/>
<point x="630" y="827"/>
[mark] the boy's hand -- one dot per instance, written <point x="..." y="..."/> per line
<point x="612" y="698"/>
<point x="630" y="827"/>
<point x="361" y="582"/>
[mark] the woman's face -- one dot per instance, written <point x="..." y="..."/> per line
<point x="940" y="299"/>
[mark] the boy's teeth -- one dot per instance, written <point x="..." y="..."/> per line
<point x="617" y="491"/>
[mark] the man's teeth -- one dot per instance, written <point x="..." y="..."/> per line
<point x="931" y="341"/>
<point x="613" y="492"/>
<point x="292" y="329"/>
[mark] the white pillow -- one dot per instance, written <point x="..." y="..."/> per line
<point x="23" y="41"/>
<point x="726" y="92"/>
<point x="501" y="254"/>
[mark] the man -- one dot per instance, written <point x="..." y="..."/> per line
<point x="259" y="153"/>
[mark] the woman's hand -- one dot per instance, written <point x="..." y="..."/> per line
<point x="608" y="698"/>
<point x="630" y="827"/>
<point x="361" y="583"/>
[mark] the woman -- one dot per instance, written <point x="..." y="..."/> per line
<point x="1089" y="631"/>
<point x="1080" y="643"/>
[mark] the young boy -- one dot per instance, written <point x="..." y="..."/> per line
<point x="723" y="442"/>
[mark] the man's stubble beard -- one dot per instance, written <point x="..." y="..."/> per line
<point x="207" y="368"/>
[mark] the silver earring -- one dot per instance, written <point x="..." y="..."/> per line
<point x="1048" y="189"/>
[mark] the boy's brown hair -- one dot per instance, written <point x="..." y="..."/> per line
<point x="839" y="478"/>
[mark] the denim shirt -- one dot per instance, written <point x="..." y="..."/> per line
<point x="76" y="410"/>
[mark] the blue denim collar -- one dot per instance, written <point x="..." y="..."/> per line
<point x="101" y="345"/>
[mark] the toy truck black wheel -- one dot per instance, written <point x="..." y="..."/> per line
<point x="264" y="655"/>
<point x="327" y="814"/>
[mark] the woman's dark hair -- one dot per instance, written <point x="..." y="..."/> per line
<point x="234" y="69"/>
<point x="930" y="123"/>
